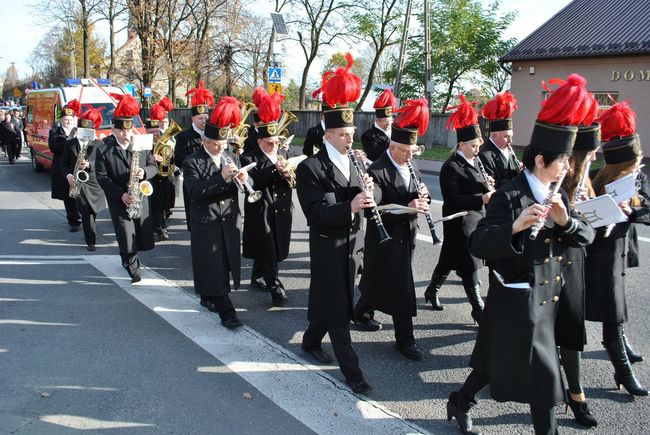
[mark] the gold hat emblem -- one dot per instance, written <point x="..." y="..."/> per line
<point x="127" y="124"/>
<point x="389" y="111"/>
<point x="272" y="129"/>
<point x="413" y="137"/>
<point x="68" y="112"/>
<point x="200" y="109"/>
<point x="223" y="131"/>
<point x="347" y="116"/>
<point x="87" y="123"/>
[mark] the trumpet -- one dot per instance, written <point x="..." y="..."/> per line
<point x="253" y="195"/>
<point x="290" y="166"/>
<point x="240" y="133"/>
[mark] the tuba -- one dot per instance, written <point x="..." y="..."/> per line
<point x="164" y="147"/>
<point x="240" y="133"/>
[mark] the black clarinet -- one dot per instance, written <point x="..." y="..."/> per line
<point x="432" y="225"/>
<point x="383" y="234"/>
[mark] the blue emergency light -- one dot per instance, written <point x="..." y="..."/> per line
<point x="104" y="82"/>
<point x="72" y="82"/>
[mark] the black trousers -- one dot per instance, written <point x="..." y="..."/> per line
<point x="403" y="324"/>
<point x="341" y="344"/>
<point x="71" y="212"/>
<point x="267" y="270"/>
<point x="131" y="263"/>
<point x="158" y="219"/>
<point x="544" y="421"/>
<point x="12" y="151"/>
<point x="225" y="308"/>
<point x="88" y="224"/>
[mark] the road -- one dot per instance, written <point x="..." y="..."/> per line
<point x="81" y="348"/>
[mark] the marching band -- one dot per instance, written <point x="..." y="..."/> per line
<point x="549" y="269"/>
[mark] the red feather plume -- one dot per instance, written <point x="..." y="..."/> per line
<point x="386" y="99"/>
<point x="201" y="95"/>
<point x="343" y="87"/>
<point x="227" y="113"/>
<point x="93" y="114"/>
<point x="502" y="106"/>
<point x="464" y="116"/>
<point x="269" y="109"/>
<point x="617" y="121"/>
<point x="414" y="114"/>
<point x="258" y="94"/>
<point x="74" y="105"/>
<point x="157" y="112"/>
<point x="166" y="104"/>
<point x="590" y="111"/>
<point x="566" y="106"/>
<point x="127" y="106"/>
<point x="320" y="90"/>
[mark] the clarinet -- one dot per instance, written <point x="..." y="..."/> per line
<point x="432" y="225"/>
<point x="537" y="226"/>
<point x="484" y="174"/>
<point x="383" y="234"/>
<point x="514" y="156"/>
<point x="581" y="184"/>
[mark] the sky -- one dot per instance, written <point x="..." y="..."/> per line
<point x="21" y="33"/>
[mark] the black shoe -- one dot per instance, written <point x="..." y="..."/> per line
<point x="232" y="323"/>
<point x="163" y="236"/>
<point x="359" y="387"/>
<point x="462" y="417"/>
<point x="623" y="373"/>
<point x="136" y="278"/>
<point x="318" y="354"/>
<point x="74" y="228"/>
<point x="431" y="296"/>
<point x="278" y="296"/>
<point x="207" y="303"/>
<point x="91" y="247"/>
<point x="259" y="284"/>
<point x="581" y="412"/>
<point x="168" y="213"/>
<point x="411" y="352"/>
<point x="366" y="324"/>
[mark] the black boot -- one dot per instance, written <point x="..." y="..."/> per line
<point x="431" y="293"/>
<point x="623" y="374"/>
<point x="458" y="407"/>
<point x="581" y="412"/>
<point x="631" y="354"/>
<point x="473" y="293"/>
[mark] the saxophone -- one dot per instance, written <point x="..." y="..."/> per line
<point x="136" y="189"/>
<point x="80" y="175"/>
<point x="164" y="147"/>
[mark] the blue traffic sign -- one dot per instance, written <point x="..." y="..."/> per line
<point x="147" y="91"/>
<point x="275" y="75"/>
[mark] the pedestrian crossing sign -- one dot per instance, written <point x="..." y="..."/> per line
<point x="275" y="87"/>
<point x="275" y="75"/>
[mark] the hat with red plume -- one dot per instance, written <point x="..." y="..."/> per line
<point x="127" y="108"/>
<point x="202" y="99"/>
<point x="386" y="104"/>
<point x="258" y="93"/>
<point x="166" y="103"/>
<point x="156" y="114"/>
<point x="225" y="116"/>
<point x="464" y="120"/>
<point x="499" y="111"/>
<point x="73" y="108"/>
<point x="618" y="124"/>
<point x="557" y="123"/>
<point x="91" y="118"/>
<point x="588" y="137"/>
<point x="342" y="88"/>
<point x="412" y="120"/>
<point x="269" y="112"/>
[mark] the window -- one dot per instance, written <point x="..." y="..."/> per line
<point x="605" y="99"/>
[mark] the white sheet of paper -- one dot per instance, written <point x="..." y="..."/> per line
<point x="142" y="142"/>
<point x="295" y="161"/>
<point x="85" y="133"/>
<point x="622" y="189"/>
<point x="396" y="209"/>
<point x="515" y="285"/>
<point x="245" y="168"/>
<point x="600" y="211"/>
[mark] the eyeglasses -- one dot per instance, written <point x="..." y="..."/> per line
<point x="416" y="150"/>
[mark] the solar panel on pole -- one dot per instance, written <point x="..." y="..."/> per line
<point x="278" y="23"/>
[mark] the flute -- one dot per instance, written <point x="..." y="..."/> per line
<point x="383" y="234"/>
<point x="537" y="226"/>
<point x="484" y="174"/>
<point x="582" y="184"/>
<point x="427" y="215"/>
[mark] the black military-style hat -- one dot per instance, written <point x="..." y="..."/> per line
<point x="621" y="150"/>
<point x="338" y="117"/>
<point x="552" y="137"/>
<point x="587" y="138"/>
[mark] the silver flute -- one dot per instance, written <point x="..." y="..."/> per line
<point x="581" y="185"/>
<point x="537" y="226"/>
<point x="484" y="174"/>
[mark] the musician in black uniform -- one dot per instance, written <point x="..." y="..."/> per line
<point x="189" y="140"/>
<point x="91" y="198"/>
<point x="376" y="139"/>
<point x="164" y="188"/>
<point x="314" y="137"/>
<point x="515" y="351"/>
<point x="113" y="170"/>
<point x="463" y="188"/>
<point x="56" y="142"/>
<point x="267" y="226"/>
<point x="330" y="196"/>
<point x="216" y="221"/>
<point x="606" y="258"/>
<point x="496" y="154"/>
<point x="387" y="280"/>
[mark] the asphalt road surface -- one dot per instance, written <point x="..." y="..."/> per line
<point x="81" y="348"/>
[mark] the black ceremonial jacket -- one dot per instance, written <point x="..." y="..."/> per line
<point x="313" y="139"/>
<point x="496" y="164"/>
<point x="374" y="142"/>
<point x="56" y="142"/>
<point x="91" y="191"/>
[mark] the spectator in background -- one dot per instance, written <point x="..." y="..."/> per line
<point x="9" y="136"/>
<point x="2" y="145"/>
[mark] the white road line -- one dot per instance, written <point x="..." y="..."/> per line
<point x="312" y="396"/>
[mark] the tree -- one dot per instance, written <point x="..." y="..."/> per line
<point x="320" y="23"/>
<point x="253" y="58"/>
<point x="279" y="4"/>
<point x="380" y="23"/>
<point x="175" y="37"/>
<point x="338" y="59"/>
<point x="203" y="13"/>
<point x="112" y="11"/>
<point x="146" y="18"/>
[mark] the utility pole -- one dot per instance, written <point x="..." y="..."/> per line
<point x="402" y="51"/>
<point x="427" y="54"/>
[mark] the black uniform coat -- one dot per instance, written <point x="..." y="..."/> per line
<point x="314" y="138"/>
<point x="633" y="237"/>
<point x="387" y="280"/>
<point x="374" y="142"/>
<point x="187" y="142"/>
<point x="251" y="141"/>
<point x="91" y="194"/>
<point x="606" y="264"/>
<point x="516" y="346"/>
<point x="56" y="142"/>
<point x="335" y="237"/>
<point x="216" y="224"/>
<point x="267" y="226"/>
<point x="570" y="331"/>
<point x="462" y="190"/>
<point x="496" y="165"/>
<point x="112" y="170"/>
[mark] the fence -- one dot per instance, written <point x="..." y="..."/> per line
<point x="437" y="133"/>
